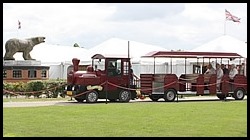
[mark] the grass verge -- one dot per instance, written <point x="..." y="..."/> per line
<point x="134" y="119"/>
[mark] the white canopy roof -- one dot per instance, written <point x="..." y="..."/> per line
<point x="116" y="46"/>
<point x="224" y="43"/>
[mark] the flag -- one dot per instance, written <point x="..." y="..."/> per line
<point x="19" y="24"/>
<point x="229" y="16"/>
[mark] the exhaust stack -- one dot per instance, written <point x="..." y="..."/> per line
<point x="75" y="62"/>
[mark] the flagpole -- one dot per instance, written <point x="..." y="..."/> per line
<point x="225" y="22"/>
<point x="225" y="27"/>
<point x="17" y="33"/>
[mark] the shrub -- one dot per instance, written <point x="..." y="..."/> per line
<point x="52" y="88"/>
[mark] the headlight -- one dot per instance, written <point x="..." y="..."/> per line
<point x="73" y="88"/>
<point x="66" y="87"/>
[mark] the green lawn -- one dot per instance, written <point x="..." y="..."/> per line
<point x="133" y="119"/>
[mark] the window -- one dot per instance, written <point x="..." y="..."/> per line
<point x="99" y="64"/>
<point x="119" y="63"/>
<point x="125" y="68"/>
<point x="4" y="74"/>
<point x="32" y="73"/>
<point x="44" y="74"/>
<point x="114" y="67"/>
<point x="196" y="69"/>
<point x="17" y="73"/>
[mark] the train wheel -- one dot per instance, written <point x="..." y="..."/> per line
<point x="92" y="97"/>
<point x="169" y="95"/>
<point x="124" y="96"/>
<point x="79" y="100"/>
<point x="154" y="98"/>
<point x="112" y="100"/>
<point x="221" y="96"/>
<point x="239" y="94"/>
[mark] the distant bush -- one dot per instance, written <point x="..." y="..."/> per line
<point x="51" y="88"/>
<point x="54" y="88"/>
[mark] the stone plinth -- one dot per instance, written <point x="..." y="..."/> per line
<point x="21" y="63"/>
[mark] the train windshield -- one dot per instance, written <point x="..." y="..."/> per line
<point x="99" y="64"/>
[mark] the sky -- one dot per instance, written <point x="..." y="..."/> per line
<point x="174" y="26"/>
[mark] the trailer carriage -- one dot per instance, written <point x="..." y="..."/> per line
<point x="169" y="86"/>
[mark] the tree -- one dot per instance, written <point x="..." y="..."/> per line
<point x="76" y="45"/>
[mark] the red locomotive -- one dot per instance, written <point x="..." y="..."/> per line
<point x="107" y="78"/>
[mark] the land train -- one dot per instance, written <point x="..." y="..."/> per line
<point x="111" y="78"/>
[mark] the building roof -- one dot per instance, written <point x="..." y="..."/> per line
<point x="189" y="54"/>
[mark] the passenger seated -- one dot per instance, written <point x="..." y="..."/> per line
<point x="225" y="70"/>
<point x="210" y="69"/>
<point x="241" y="69"/>
<point x="232" y="72"/>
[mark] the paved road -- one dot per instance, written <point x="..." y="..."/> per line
<point x="64" y="103"/>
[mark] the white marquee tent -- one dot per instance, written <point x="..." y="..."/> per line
<point x="224" y="43"/>
<point x="116" y="46"/>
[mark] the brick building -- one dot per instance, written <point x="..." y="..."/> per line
<point x="24" y="71"/>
